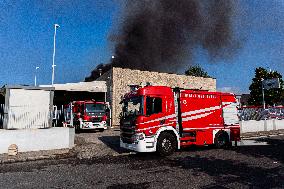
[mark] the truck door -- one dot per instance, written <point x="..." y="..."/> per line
<point x="154" y="112"/>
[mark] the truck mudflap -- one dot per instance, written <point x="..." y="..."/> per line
<point x="147" y="144"/>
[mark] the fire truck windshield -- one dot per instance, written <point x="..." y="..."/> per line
<point x="95" y="108"/>
<point x="133" y="106"/>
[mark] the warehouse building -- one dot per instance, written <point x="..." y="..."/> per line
<point x="119" y="79"/>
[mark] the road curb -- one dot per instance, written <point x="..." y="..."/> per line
<point x="261" y="134"/>
<point x="17" y="159"/>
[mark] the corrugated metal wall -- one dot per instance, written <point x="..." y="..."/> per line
<point x="27" y="109"/>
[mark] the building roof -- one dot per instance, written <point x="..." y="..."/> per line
<point x="26" y="87"/>
<point x="94" y="86"/>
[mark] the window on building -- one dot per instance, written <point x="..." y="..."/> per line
<point x="153" y="105"/>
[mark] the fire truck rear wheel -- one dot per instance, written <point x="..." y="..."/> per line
<point x="222" y="140"/>
<point x="166" y="144"/>
<point x="77" y="129"/>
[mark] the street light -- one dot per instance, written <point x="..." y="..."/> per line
<point x="110" y="108"/>
<point x="35" y="74"/>
<point x="262" y="88"/>
<point x="53" y="65"/>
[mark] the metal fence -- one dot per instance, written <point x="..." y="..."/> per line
<point x="59" y="116"/>
<point x="258" y="113"/>
<point x="33" y="119"/>
<point x="1" y="115"/>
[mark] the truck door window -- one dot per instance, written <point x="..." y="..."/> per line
<point x="153" y="105"/>
<point x="81" y="109"/>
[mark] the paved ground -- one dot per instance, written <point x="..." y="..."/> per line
<point x="254" y="166"/>
<point x="87" y="145"/>
<point x="90" y="144"/>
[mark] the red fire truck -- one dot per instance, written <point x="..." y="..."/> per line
<point x="87" y="115"/>
<point x="163" y="119"/>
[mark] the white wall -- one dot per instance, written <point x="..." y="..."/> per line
<point x="262" y="125"/>
<point x="37" y="139"/>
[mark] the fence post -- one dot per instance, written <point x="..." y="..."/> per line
<point x="241" y="126"/>
<point x="265" y="125"/>
<point x="274" y="124"/>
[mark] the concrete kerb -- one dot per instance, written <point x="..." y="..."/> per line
<point x="38" y="155"/>
<point x="262" y="134"/>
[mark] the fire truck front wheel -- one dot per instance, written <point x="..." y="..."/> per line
<point x="166" y="144"/>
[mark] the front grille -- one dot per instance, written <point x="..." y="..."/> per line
<point x="126" y="139"/>
<point x="127" y="131"/>
<point x="96" y="119"/>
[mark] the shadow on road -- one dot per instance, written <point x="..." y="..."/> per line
<point x="274" y="150"/>
<point x="227" y="172"/>
<point x="113" y="142"/>
<point x="239" y="173"/>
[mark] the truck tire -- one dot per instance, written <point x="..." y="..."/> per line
<point x="222" y="139"/>
<point x="77" y="127"/>
<point x="166" y="144"/>
<point x="77" y="130"/>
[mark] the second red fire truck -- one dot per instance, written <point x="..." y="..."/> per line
<point x="163" y="119"/>
<point x="87" y="115"/>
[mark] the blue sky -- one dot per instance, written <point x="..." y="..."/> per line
<point x="26" y="39"/>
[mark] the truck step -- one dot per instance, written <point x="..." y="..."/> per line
<point x="188" y="138"/>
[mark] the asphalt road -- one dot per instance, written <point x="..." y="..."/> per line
<point x="256" y="166"/>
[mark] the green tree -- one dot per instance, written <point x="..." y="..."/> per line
<point x="272" y="96"/>
<point x="196" y="71"/>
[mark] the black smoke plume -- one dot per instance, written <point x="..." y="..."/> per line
<point x="161" y="35"/>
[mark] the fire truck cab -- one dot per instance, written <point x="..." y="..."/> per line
<point x="88" y="115"/>
<point x="163" y="119"/>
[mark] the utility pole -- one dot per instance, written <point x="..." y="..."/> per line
<point x="53" y="57"/>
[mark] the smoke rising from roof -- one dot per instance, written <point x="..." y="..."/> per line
<point x="161" y="35"/>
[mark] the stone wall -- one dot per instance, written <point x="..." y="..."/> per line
<point x="118" y="81"/>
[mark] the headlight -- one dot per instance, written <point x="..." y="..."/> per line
<point x="138" y="136"/>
